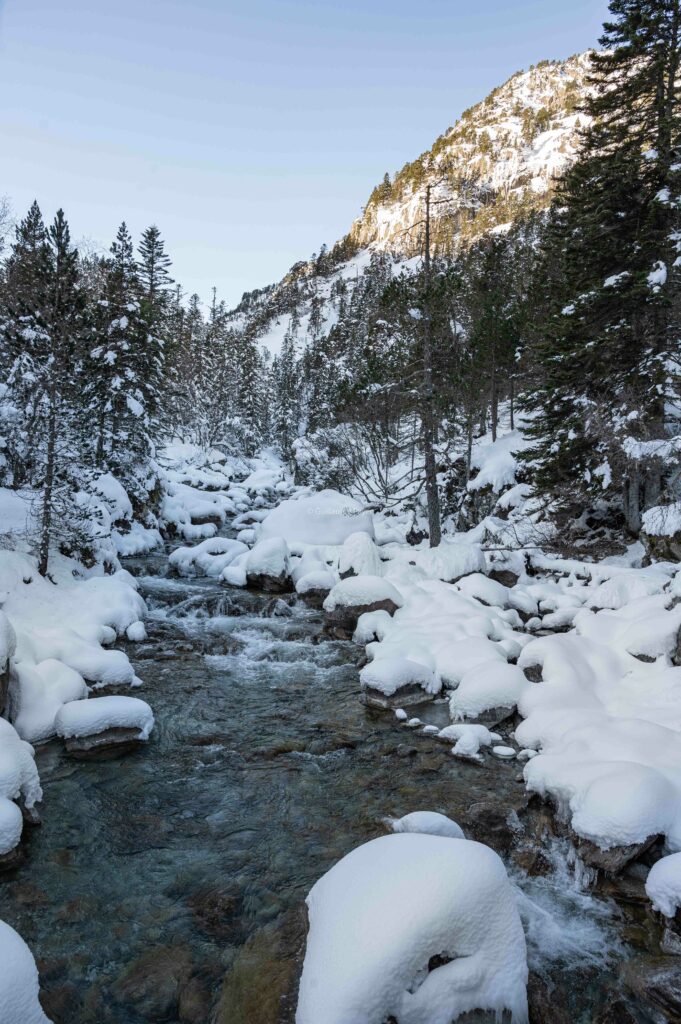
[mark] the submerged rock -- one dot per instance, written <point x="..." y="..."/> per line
<point x="115" y="741"/>
<point x="657" y="982"/>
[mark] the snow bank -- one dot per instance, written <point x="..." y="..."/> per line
<point x="18" y="780"/>
<point x="326" y="517"/>
<point x="607" y="726"/>
<point x="90" y="717"/>
<point x="663" y="885"/>
<point x="60" y="632"/>
<point x="451" y="560"/>
<point x="208" y="558"/>
<point x="380" y="915"/>
<point x="18" y="981"/>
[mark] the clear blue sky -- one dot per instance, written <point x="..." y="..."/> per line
<point x="250" y="131"/>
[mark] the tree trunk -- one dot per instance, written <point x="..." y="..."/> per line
<point x="632" y="502"/>
<point x="428" y="411"/>
<point x="48" y="489"/>
<point x="512" y="404"/>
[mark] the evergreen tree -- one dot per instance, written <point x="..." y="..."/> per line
<point x="610" y="341"/>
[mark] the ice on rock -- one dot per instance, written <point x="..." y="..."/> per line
<point x="359" y="556"/>
<point x="18" y="981"/>
<point x="209" y="558"/>
<point x="96" y="715"/>
<point x="663" y="885"/>
<point x="18" y="780"/>
<point x="380" y="915"/>
<point x="326" y="517"/>
<point x="430" y="823"/>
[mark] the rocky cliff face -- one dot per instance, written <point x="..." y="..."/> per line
<point x="497" y="165"/>
<point x="497" y="162"/>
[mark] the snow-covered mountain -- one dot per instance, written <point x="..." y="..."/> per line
<point x="496" y="165"/>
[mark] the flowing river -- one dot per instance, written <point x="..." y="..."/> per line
<point x="169" y="885"/>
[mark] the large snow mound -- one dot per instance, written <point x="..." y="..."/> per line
<point x="90" y="717"/>
<point x="380" y="915"/>
<point x="18" y="981"/>
<point x="207" y="558"/>
<point x="326" y="517"/>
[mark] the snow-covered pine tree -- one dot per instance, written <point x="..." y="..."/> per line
<point x="43" y="324"/>
<point x="610" y="342"/>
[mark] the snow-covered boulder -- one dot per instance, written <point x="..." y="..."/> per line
<point x="18" y="781"/>
<point x="355" y="596"/>
<point x="663" y="885"/>
<point x="42" y="690"/>
<point x="468" y="739"/>
<point x="359" y="557"/>
<point x="451" y="560"/>
<point x="18" y="981"/>
<point x="430" y="823"/>
<point x="391" y="908"/>
<point x="208" y="558"/>
<point x="326" y="517"/>
<point x="491" y="686"/>
<point x="314" y="586"/>
<point x="267" y="566"/>
<point x="395" y="681"/>
<point x="104" y="725"/>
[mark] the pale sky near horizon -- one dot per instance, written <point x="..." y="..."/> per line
<point x="249" y="132"/>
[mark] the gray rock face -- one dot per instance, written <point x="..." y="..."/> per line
<point x="341" y="622"/>
<point x="269" y="584"/>
<point x="405" y="697"/>
<point x="610" y="861"/>
<point x="110" y="743"/>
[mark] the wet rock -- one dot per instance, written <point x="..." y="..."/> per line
<point x="611" y="861"/>
<point x="657" y="982"/>
<point x="533" y="673"/>
<point x="545" y="1003"/>
<point x="217" y="913"/>
<point x="670" y="943"/>
<point x="269" y="584"/>
<point x="341" y="622"/>
<point x="616" y="1011"/>
<point x="504" y="576"/>
<point x="11" y="860"/>
<point x="152" y="984"/>
<point x="261" y="987"/>
<point x="488" y="822"/>
<point x="404" y="697"/>
<point x="206" y="520"/>
<point x="61" y="1003"/>
<point x="109" y="743"/>
<point x="195" y="1000"/>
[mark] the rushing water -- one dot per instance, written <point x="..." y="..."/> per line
<point x="167" y="885"/>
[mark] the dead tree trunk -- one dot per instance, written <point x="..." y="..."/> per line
<point x="427" y="398"/>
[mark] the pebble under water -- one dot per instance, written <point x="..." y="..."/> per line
<point x="169" y="885"/>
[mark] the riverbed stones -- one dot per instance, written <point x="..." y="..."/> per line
<point x="152" y="984"/>
<point x="261" y="986"/>
<point x="657" y="982"/>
